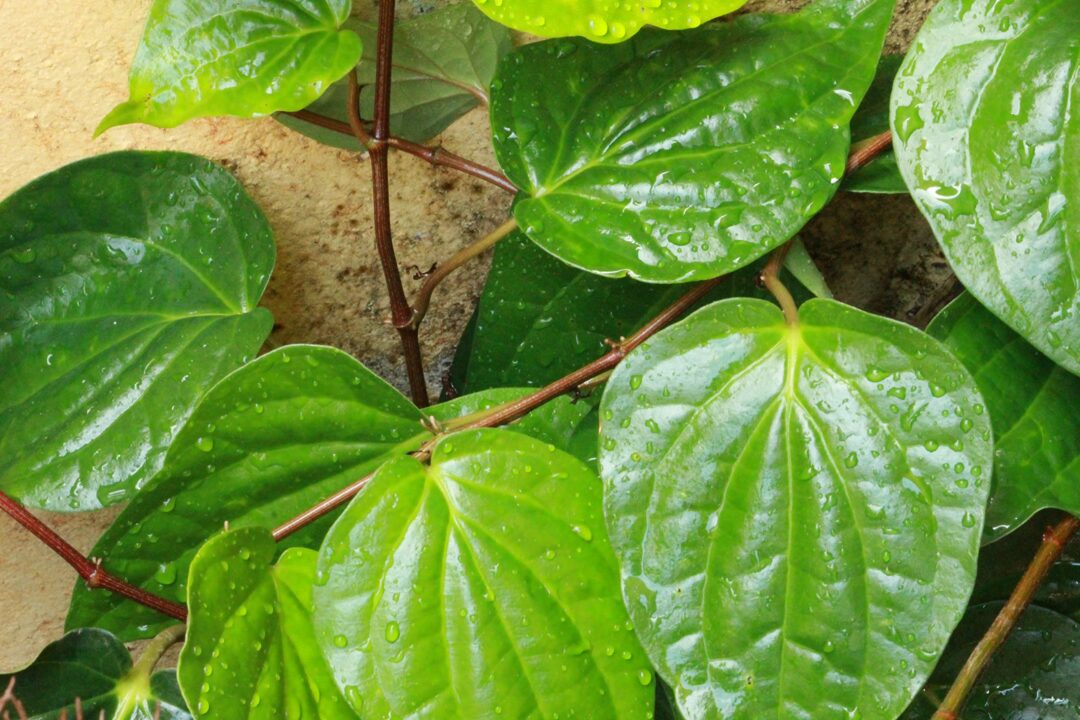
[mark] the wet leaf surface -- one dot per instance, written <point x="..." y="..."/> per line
<point x="881" y="175"/>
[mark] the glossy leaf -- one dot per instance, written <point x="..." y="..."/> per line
<point x="986" y="134"/>
<point x="251" y="649"/>
<point x="604" y="22"/>
<point x="235" y="57"/>
<point x="481" y="587"/>
<point x="1034" y="406"/>
<point x="683" y="156"/>
<point x="128" y="286"/>
<point x="1033" y="675"/>
<point x="95" y="667"/>
<point x="796" y="509"/>
<point x="269" y="441"/>
<point x="881" y="175"/>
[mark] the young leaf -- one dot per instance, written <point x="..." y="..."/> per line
<point x="1033" y="675"/>
<point x="482" y="586"/>
<point x="94" y="667"/>
<point x="269" y="441"/>
<point x="880" y="175"/>
<point x="251" y="650"/>
<point x="603" y="22"/>
<point x="797" y="509"/>
<point x="683" y="156"/>
<point x="235" y="57"/>
<point x="983" y="113"/>
<point x="1033" y="405"/>
<point x="128" y="286"/>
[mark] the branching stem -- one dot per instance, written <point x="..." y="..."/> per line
<point x="91" y="572"/>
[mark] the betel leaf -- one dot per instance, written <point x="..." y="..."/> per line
<point x="682" y="156"/>
<point x="482" y="586"/>
<point x="986" y="133"/>
<point x="235" y="57"/>
<point x="880" y="175"/>
<point x="796" y="509"/>
<point x="1032" y="675"/>
<point x="1034" y="406"/>
<point x="269" y="441"/>
<point x="95" y="668"/>
<point x="600" y="20"/>
<point x="128" y="286"/>
<point x="251" y="649"/>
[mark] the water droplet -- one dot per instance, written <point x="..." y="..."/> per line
<point x="393" y="632"/>
<point x="205" y="444"/>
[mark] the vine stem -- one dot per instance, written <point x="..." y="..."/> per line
<point x="423" y="298"/>
<point x="90" y="571"/>
<point x="866" y="150"/>
<point x="401" y="313"/>
<point x="770" y="278"/>
<point x="437" y="156"/>
<point x="1053" y="544"/>
<point x="508" y="412"/>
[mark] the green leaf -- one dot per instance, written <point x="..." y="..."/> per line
<point x="799" y="263"/>
<point x="482" y="586"/>
<point x="1033" y="675"/>
<point x="128" y="286"/>
<point x="251" y="650"/>
<point x="94" y="667"/>
<point x="986" y="135"/>
<point x="880" y="175"/>
<point x="1034" y="410"/>
<point x="683" y="156"/>
<point x="235" y="57"/>
<point x="796" y="509"/>
<point x="602" y="21"/>
<point x="269" y="441"/>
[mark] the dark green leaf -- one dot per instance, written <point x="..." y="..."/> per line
<point x="251" y="650"/>
<point x="881" y="175"/>
<point x="128" y="286"/>
<point x="1034" y="406"/>
<point x="269" y="441"/>
<point x="984" y="116"/>
<point x="94" y="667"/>
<point x="482" y="587"/>
<point x="681" y="156"/>
<point x="235" y="57"/>
<point x="797" y="509"/>
<point x="1033" y="675"/>
<point x="604" y="22"/>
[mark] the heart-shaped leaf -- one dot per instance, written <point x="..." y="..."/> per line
<point x="269" y="441"/>
<point x="443" y="65"/>
<point x="796" y="508"/>
<point x="235" y="57"/>
<point x="986" y="134"/>
<point x="682" y="156"/>
<point x="1033" y="675"/>
<point x="482" y="586"/>
<point x="128" y="286"/>
<point x="251" y="649"/>
<point x="602" y="21"/>
<point x="1034" y="406"/>
<point x="880" y="175"/>
<point x="95" y="668"/>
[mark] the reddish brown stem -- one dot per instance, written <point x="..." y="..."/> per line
<point x="401" y="313"/>
<point x="1054" y="541"/>
<point x="865" y="151"/>
<point x="91" y="572"/>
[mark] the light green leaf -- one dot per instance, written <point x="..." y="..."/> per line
<point x="251" y="650"/>
<point x="797" y="509"/>
<point x="235" y="57"/>
<point x="880" y="175"/>
<point x="602" y="21"/>
<point x="128" y="286"/>
<point x="480" y="587"/>
<point x="1034" y="406"/>
<point x="683" y="156"/>
<point x="799" y="263"/>
<point x="95" y="668"/>
<point x="269" y="441"/>
<point x="984" y="116"/>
